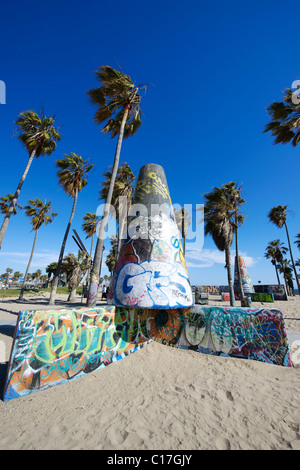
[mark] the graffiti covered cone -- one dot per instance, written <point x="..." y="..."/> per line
<point x="150" y="270"/>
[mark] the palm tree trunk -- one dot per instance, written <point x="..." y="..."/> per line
<point x="292" y="259"/>
<point x="229" y="276"/>
<point x="61" y="255"/>
<point x="96" y="269"/>
<point x="277" y="274"/>
<point x="238" y="261"/>
<point x="28" y="266"/>
<point x="15" y="198"/>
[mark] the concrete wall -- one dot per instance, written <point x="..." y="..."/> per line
<point x="52" y="347"/>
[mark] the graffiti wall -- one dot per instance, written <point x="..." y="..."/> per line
<point x="51" y="347"/>
<point x="257" y="297"/>
<point x="209" y="289"/>
<point x="256" y="334"/>
<point x="278" y="291"/>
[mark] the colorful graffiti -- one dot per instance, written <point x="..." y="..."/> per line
<point x="151" y="270"/>
<point x="258" y="297"/>
<point x="246" y="281"/>
<point x="209" y="289"/>
<point x="278" y="291"/>
<point x="51" y="347"/>
<point x="256" y="334"/>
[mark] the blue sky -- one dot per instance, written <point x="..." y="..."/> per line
<point x="214" y="66"/>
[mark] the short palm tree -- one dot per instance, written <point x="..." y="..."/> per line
<point x="39" y="137"/>
<point x="123" y="191"/>
<point x="277" y="216"/>
<point x="275" y="251"/>
<point x="89" y="226"/>
<point x="40" y="214"/>
<point x="287" y="271"/>
<point x="285" y="119"/>
<point x="74" y="267"/>
<point x="16" y="276"/>
<point x="118" y="102"/>
<point x="72" y="176"/>
<point x="217" y="223"/>
<point x="5" y="202"/>
<point x="36" y="276"/>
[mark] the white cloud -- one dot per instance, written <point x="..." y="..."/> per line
<point x="40" y="259"/>
<point x="206" y="258"/>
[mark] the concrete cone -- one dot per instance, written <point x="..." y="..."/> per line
<point x="151" y="271"/>
<point x="246" y="281"/>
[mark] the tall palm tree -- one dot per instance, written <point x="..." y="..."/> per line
<point x="277" y="216"/>
<point x="285" y="119"/>
<point x="89" y="226"/>
<point x="40" y="214"/>
<point x="217" y="223"/>
<point x="39" y="136"/>
<point x="5" y="202"/>
<point x="118" y="102"/>
<point x="72" y="177"/>
<point x="235" y="201"/>
<point x="123" y="188"/>
<point x="275" y="251"/>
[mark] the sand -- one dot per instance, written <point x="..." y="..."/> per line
<point x="159" y="398"/>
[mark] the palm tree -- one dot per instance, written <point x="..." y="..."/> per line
<point x="5" y="202"/>
<point x="36" y="276"/>
<point x="16" y="276"/>
<point x="285" y="119"/>
<point x="51" y="270"/>
<point x="39" y="137"/>
<point x="277" y="216"/>
<point x="89" y="227"/>
<point x="123" y="188"/>
<point x="40" y="213"/>
<point x="5" y="277"/>
<point x="235" y="200"/>
<point x="286" y="269"/>
<point x="72" y="176"/>
<point x="297" y="242"/>
<point x="118" y="104"/>
<point x="275" y="251"/>
<point x="73" y="268"/>
<point x="217" y="223"/>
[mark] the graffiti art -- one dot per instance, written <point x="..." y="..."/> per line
<point x="52" y="347"/>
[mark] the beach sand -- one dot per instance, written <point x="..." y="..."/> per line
<point x="159" y="398"/>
